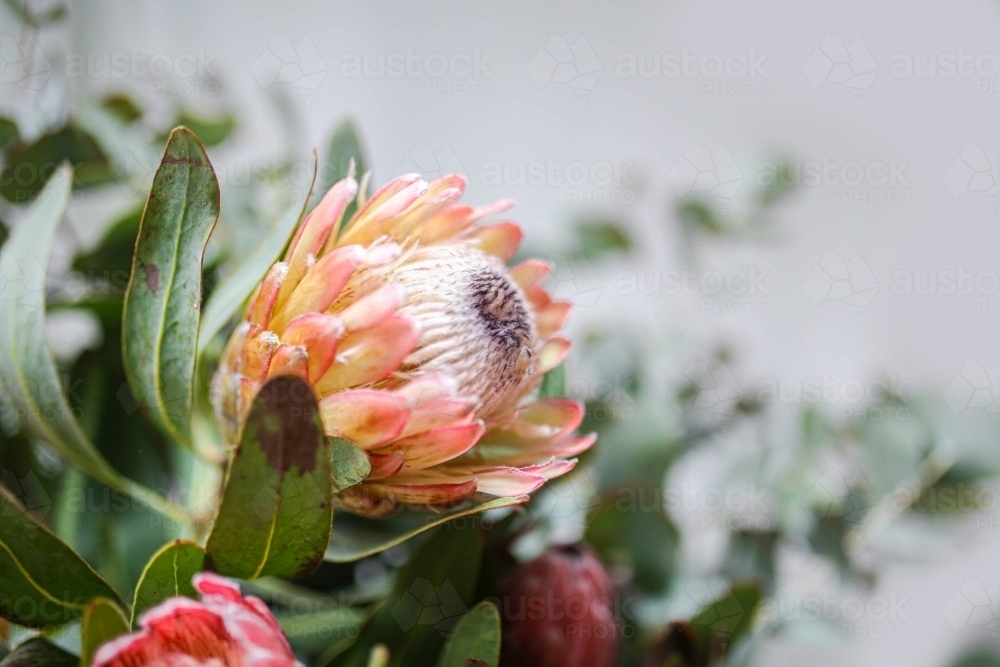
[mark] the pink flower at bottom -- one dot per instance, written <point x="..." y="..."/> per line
<point x="225" y="629"/>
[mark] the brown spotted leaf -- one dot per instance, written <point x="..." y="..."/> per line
<point x="276" y="512"/>
<point x="163" y="299"/>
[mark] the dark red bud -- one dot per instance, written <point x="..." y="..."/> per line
<point x="558" y="610"/>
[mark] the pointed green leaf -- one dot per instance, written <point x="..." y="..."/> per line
<point x="42" y="581"/>
<point x="355" y="537"/>
<point x="163" y="299"/>
<point x="230" y="296"/>
<point x="476" y="640"/>
<point x="27" y="366"/>
<point x="431" y="594"/>
<point x="276" y="511"/>
<point x="39" y="652"/>
<point x="102" y="621"/>
<point x="168" y="574"/>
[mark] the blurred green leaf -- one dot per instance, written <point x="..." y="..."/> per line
<point x="38" y="652"/>
<point x="123" y="107"/>
<point x="38" y="567"/>
<point x="8" y="131"/>
<point x="314" y="631"/>
<point x="103" y="620"/>
<point x="26" y="362"/>
<point x="233" y="292"/>
<point x="211" y="131"/>
<point x="697" y="214"/>
<point x="722" y="623"/>
<point x="356" y="537"/>
<point x="344" y="146"/>
<point x="168" y="574"/>
<point x="778" y="184"/>
<point x="553" y="383"/>
<point x="476" y="640"/>
<point x="979" y="657"/>
<point x="29" y="167"/>
<point x="276" y="510"/>
<point x="602" y="237"/>
<point x="751" y="556"/>
<point x="431" y="594"/>
<point x="632" y="530"/>
<point x="162" y="304"/>
<point x="112" y="258"/>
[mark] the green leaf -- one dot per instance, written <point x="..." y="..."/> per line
<point x="314" y="631"/>
<point x="168" y="574"/>
<point x="356" y="537"/>
<point x="8" y="131"/>
<point x="27" y="366"/>
<point x="211" y="131"/>
<point x="42" y="581"/>
<point x="102" y="621"/>
<point x="344" y="146"/>
<point x="123" y="107"/>
<point x="276" y="511"/>
<point x="29" y="167"/>
<point x="232" y="294"/>
<point x="431" y="594"/>
<point x="163" y="300"/>
<point x="601" y="237"/>
<point x="724" y="621"/>
<point x="40" y="652"/>
<point x="476" y="640"/>
<point x="350" y="465"/>
<point x="553" y="383"/>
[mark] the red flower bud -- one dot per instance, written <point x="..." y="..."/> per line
<point x="558" y="611"/>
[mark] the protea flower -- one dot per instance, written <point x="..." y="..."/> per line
<point x="557" y="611"/>
<point x="224" y="629"/>
<point x="421" y="345"/>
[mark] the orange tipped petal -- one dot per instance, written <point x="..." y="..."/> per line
<point x="289" y="360"/>
<point x="267" y="295"/>
<point x="551" y="318"/>
<point x="382" y="207"/>
<point x="500" y="239"/>
<point x="372" y="308"/>
<point x="438" y="445"/>
<point x="447" y="182"/>
<point x="385" y="465"/>
<point x="370" y="355"/>
<point x="440" y="413"/>
<point x="320" y="223"/>
<point x="319" y="334"/>
<point x="366" y="417"/>
<point x="548" y="419"/>
<point x="553" y="353"/>
<point x="507" y="482"/>
<point x="530" y="272"/>
<point x="551" y="469"/>
<point x="320" y="285"/>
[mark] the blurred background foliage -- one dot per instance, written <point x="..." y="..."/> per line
<point x="815" y="514"/>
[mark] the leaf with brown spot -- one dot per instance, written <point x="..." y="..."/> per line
<point x="276" y="512"/>
<point x="163" y="299"/>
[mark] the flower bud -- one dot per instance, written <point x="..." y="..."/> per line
<point x="558" y="612"/>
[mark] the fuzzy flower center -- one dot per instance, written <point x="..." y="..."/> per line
<point x="476" y="326"/>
